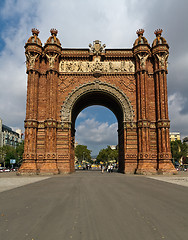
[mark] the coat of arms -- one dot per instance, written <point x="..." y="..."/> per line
<point x="97" y="48"/>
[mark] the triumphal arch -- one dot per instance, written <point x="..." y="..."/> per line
<point x="132" y="83"/>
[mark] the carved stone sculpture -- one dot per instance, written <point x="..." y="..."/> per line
<point x="143" y="61"/>
<point x="162" y="60"/>
<point x="97" y="48"/>
<point x="51" y="59"/>
<point x="30" y="59"/>
<point x="96" y="65"/>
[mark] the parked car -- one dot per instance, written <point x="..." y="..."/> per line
<point x="6" y="170"/>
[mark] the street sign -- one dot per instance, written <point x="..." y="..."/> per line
<point x="12" y="161"/>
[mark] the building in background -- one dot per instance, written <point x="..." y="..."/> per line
<point x="174" y="136"/>
<point x="8" y="137"/>
<point x="113" y="147"/>
<point x="185" y="139"/>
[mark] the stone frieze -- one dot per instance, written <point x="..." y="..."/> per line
<point x="96" y="66"/>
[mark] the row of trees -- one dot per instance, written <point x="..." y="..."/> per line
<point x="9" y="152"/>
<point x="105" y="155"/>
<point x="82" y="153"/>
<point x="179" y="152"/>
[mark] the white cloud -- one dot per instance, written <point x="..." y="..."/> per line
<point x="93" y="133"/>
<point x="179" y="122"/>
<point x="81" y="22"/>
<point x="82" y="115"/>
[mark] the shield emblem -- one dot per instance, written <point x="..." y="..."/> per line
<point x="97" y="46"/>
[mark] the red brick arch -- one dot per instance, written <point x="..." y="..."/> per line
<point x="130" y="82"/>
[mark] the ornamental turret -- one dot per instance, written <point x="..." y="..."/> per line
<point x="141" y="51"/>
<point x="33" y="49"/>
<point x="160" y="50"/>
<point x="52" y="49"/>
<point x="34" y="39"/>
<point x="53" y="38"/>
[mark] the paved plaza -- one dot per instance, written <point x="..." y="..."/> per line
<point x="10" y="180"/>
<point x="89" y="205"/>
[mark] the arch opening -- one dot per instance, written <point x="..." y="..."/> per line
<point x="96" y="130"/>
<point x="100" y="99"/>
<point x="107" y="100"/>
<point x="103" y="94"/>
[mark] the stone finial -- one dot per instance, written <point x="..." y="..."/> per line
<point x="158" y="32"/>
<point x="35" y="31"/>
<point x="140" y="32"/>
<point x="54" y="32"/>
<point x="141" y="39"/>
<point x="158" y="40"/>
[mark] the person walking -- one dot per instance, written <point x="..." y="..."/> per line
<point x="102" y="169"/>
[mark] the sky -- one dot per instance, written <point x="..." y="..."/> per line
<point x="80" y="22"/>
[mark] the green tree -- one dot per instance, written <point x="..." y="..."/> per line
<point x="2" y="155"/>
<point x="179" y="150"/>
<point x="107" y="154"/>
<point x="9" y="152"/>
<point x="19" y="153"/>
<point x="82" y="153"/>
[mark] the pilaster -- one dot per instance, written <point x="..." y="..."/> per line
<point x="142" y="53"/>
<point x="160" y="51"/>
<point x="33" y="51"/>
<point x="130" y="147"/>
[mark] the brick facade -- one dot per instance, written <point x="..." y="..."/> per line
<point x="130" y="82"/>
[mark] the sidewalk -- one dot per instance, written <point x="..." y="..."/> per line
<point x="10" y="180"/>
<point x="181" y="178"/>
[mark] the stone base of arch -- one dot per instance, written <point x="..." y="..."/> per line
<point x="46" y="167"/>
<point x="28" y="167"/>
<point x="166" y="167"/>
<point x="130" y="166"/>
<point x="65" y="167"/>
<point x="147" y="167"/>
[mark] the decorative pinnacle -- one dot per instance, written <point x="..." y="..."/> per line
<point x="140" y="32"/>
<point x="158" y="32"/>
<point x="54" y="32"/>
<point x="35" y="31"/>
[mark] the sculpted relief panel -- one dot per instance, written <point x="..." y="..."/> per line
<point x="96" y="66"/>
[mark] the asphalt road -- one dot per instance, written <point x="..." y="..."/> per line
<point x="95" y="206"/>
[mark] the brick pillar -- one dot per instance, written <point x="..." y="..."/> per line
<point x="142" y="53"/>
<point x="30" y="146"/>
<point x="145" y="163"/>
<point x="49" y="164"/>
<point x="130" y="146"/>
<point x="160" y="52"/>
<point x="65" y="156"/>
<point x="51" y="52"/>
<point x="33" y="52"/>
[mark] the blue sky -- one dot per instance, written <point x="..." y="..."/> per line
<point x="96" y="127"/>
<point x="79" y="23"/>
